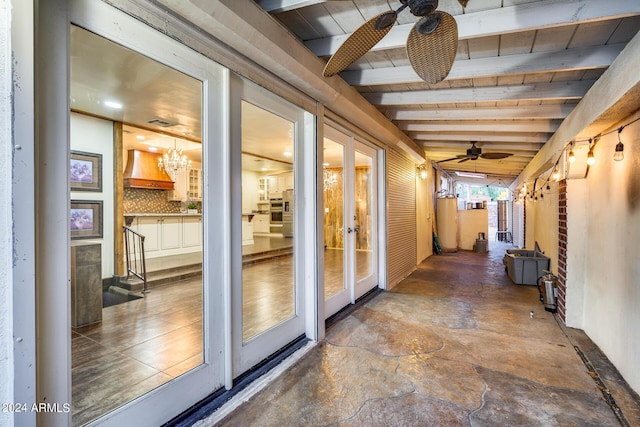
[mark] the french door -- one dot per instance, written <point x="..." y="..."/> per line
<point x="267" y="282"/>
<point x="350" y="219"/>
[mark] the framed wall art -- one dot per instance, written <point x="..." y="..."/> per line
<point x="85" y="171"/>
<point x="86" y="219"/>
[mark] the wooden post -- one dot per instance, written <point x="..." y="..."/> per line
<point x="118" y="195"/>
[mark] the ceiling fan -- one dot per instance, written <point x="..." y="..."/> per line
<point x="431" y="44"/>
<point x="474" y="153"/>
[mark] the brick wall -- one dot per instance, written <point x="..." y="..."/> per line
<point x="562" y="247"/>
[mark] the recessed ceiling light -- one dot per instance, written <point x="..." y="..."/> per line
<point x="113" y="104"/>
<point x="263" y="169"/>
<point x="287" y="153"/>
<point x="325" y="164"/>
<point x="140" y="137"/>
<point x="154" y="149"/>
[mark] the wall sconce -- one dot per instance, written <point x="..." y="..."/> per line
<point x="422" y="172"/>
<point x="619" y="154"/>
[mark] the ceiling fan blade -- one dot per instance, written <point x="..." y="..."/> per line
<point x="495" y="156"/>
<point x="432" y="54"/>
<point x="448" y="160"/>
<point x="360" y="42"/>
<point x="467" y="158"/>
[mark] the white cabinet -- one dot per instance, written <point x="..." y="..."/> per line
<point x="280" y="183"/>
<point x="264" y="188"/>
<point x="191" y="232"/>
<point x="149" y="227"/>
<point x="261" y="223"/>
<point x="171" y="232"/>
<point x="188" y="186"/>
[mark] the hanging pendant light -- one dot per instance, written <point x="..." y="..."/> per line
<point x="619" y="154"/>
<point x="591" y="160"/>
<point x="173" y="162"/>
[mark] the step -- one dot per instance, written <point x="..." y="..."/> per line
<point x="266" y="255"/>
<point x="160" y="278"/>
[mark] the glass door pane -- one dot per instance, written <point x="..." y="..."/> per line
<point x="365" y="218"/>
<point x="333" y="183"/>
<point x="137" y="287"/>
<point x="268" y="273"/>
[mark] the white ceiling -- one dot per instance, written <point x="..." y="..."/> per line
<point x="521" y="67"/>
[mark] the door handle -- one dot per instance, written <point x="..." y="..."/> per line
<point x="356" y="229"/>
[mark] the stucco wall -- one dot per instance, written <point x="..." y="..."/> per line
<point x="6" y="296"/>
<point x="544" y="227"/>
<point x="611" y="252"/>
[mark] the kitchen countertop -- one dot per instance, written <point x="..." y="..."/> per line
<point x="162" y="214"/>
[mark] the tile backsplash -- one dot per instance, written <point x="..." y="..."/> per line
<point x="141" y="200"/>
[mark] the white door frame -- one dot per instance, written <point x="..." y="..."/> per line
<point x="54" y="336"/>
<point x="352" y="290"/>
<point x="248" y="354"/>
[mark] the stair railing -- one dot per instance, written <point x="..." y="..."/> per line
<point x="134" y="252"/>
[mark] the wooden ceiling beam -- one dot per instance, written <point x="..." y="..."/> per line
<point x="506" y="20"/>
<point x="277" y="6"/>
<point x="556" y="111"/>
<point x="527" y="63"/>
<point x="485" y="126"/>
<point x="542" y="91"/>
<point x="514" y="137"/>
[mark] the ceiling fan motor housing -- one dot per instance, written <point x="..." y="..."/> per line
<point x="422" y="7"/>
<point x="474" y="151"/>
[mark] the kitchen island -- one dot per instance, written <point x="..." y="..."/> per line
<point x="167" y="234"/>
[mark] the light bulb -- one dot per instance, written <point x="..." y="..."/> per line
<point x="556" y="174"/>
<point x="572" y="157"/>
<point x="619" y="154"/>
<point x="591" y="160"/>
<point x="423" y="174"/>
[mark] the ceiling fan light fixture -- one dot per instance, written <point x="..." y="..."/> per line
<point x="429" y="24"/>
<point x="422" y="7"/>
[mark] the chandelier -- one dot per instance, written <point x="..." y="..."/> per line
<point x="174" y="162"/>
<point x="330" y="179"/>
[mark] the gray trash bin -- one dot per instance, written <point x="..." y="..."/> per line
<point x="525" y="267"/>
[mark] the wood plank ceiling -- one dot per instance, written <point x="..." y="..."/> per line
<point x="520" y="69"/>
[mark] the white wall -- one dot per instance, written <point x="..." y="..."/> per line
<point x="94" y="135"/>
<point x="6" y="232"/>
<point x="544" y="227"/>
<point x="576" y="246"/>
<point x="611" y="264"/>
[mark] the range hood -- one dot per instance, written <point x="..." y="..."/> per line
<point x="142" y="172"/>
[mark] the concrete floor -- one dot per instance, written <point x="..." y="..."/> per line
<point x="453" y="344"/>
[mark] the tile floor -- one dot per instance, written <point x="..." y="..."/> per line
<point x="452" y="345"/>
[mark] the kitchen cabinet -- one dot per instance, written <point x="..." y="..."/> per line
<point x="149" y="227"/>
<point x="188" y="186"/>
<point x="280" y="183"/>
<point x="170" y="234"/>
<point x="261" y="223"/>
<point x="263" y="188"/>
<point x="191" y="231"/>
